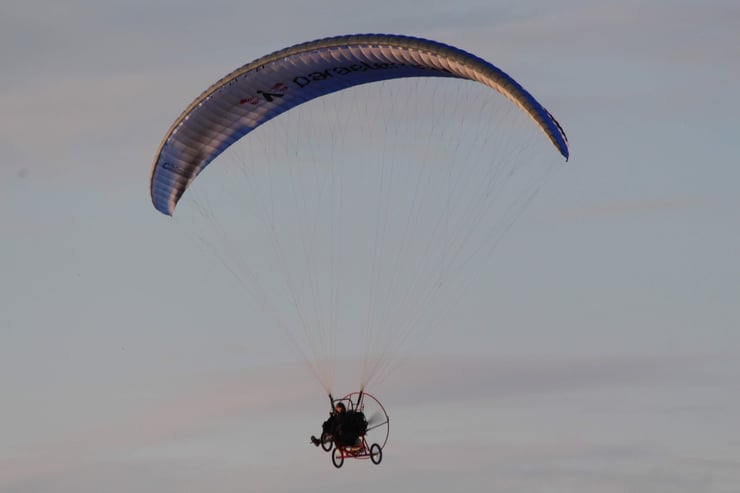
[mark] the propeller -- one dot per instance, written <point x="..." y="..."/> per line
<point x="375" y="420"/>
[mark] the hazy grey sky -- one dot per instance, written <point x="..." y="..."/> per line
<point x="605" y="357"/>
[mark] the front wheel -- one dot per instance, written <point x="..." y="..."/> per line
<point x="376" y="453"/>
<point x="326" y="441"/>
<point x="337" y="458"/>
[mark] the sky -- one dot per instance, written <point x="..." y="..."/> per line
<point x="604" y="357"/>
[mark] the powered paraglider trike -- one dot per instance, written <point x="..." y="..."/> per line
<point x="358" y="429"/>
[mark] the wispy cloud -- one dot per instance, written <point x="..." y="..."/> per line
<point x="490" y="388"/>
<point x="192" y="409"/>
<point x="629" y="208"/>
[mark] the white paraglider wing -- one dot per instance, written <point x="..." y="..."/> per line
<point x="272" y="85"/>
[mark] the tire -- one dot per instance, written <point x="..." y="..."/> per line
<point x="376" y="453"/>
<point x="337" y="457"/>
<point x="326" y="442"/>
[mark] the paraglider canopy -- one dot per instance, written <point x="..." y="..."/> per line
<point x="269" y="86"/>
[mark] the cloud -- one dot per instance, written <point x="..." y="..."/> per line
<point x="507" y="393"/>
<point x="629" y="208"/>
<point x="189" y="410"/>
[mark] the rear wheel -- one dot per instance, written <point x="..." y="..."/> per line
<point x="376" y="453"/>
<point x="337" y="457"/>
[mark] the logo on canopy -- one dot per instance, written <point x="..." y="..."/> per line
<point x="275" y="92"/>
